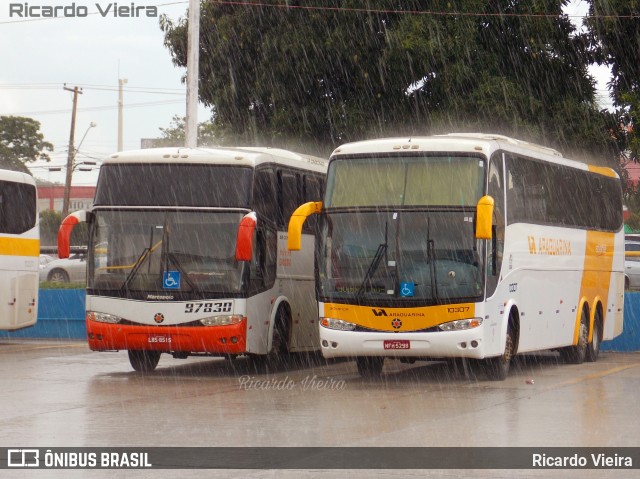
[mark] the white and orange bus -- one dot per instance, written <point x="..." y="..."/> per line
<point x="465" y="246"/>
<point x="188" y="256"/>
<point x="19" y="250"/>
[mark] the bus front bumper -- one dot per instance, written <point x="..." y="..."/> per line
<point x="190" y="339"/>
<point x="445" y="344"/>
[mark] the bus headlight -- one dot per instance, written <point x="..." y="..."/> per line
<point x="461" y="324"/>
<point x="226" y="320"/>
<point x="103" y="317"/>
<point x="338" y="324"/>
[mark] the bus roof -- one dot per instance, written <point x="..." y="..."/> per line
<point x="485" y="143"/>
<point x="246" y="156"/>
<point x="16" y="177"/>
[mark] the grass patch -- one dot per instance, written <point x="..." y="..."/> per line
<point x="52" y="285"/>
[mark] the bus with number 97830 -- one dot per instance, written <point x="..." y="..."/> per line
<point x="187" y="254"/>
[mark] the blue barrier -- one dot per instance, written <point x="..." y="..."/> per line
<point x="61" y="316"/>
<point x="629" y="340"/>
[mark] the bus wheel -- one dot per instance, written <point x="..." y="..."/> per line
<point x="370" y="367"/>
<point x="497" y="368"/>
<point x="593" y="348"/>
<point x="279" y="353"/>
<point x="143" y="361"/>
<point x="576" y="354"/>
<point x="280" y="341"/>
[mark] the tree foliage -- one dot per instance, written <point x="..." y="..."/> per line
<point x="21" y="142"/>
<point x="323" y="76"/>
<point x="50" y="222"/>
<point x="174" y="134"/>
<point x="614" y="33"/>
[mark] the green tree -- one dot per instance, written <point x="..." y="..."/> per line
<point x="21" y="142"/>
<point x="50" y="222"/>
<point x="614" y="32"/>
<point x="173" y="135"/>
<point x="323" y="76"/>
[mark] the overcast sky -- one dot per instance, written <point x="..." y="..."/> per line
<point x="40" y="56"/>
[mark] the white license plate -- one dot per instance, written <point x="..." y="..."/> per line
<point x="159" y="338"/>
<point x="397" y="344"/>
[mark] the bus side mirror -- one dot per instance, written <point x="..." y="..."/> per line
<point x="299" y="216"/>
<point x="244" y="241"/>
<point x="484" y="218"/>
<point x="64" y="233"/>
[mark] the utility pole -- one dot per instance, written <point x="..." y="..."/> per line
<point x="193" y="58"/>
<point x="71" y="155"/>
<point x="121" y="82"/>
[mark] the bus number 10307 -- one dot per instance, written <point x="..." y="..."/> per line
<point x="217" y="307"/>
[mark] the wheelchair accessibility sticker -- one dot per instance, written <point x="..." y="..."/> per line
<point x="407" y="289"/>
<point x="171" y="279"/>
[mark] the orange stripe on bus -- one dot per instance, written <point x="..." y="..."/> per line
<point x="603" y="170"/>
<point x="19" y="247"/>
<point x="596" y="275"/>
<point x="412" y="319"/>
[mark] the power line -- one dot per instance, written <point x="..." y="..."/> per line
<point x="415" y="12"/>
<point x="101" y="108"/>
<point x="50" y="86"/>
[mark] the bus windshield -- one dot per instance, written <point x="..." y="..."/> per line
<point x="169" y="184"/>
<point x="405" y="181"/>
<point x="401" y="230"/>
<point x="165" y="251"/>
<point x="430" y="257"/>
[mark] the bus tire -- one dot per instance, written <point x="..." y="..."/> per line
<point x="593" y="348"/>
<point x="497" y="369"/>
<point x="370" y="366"/>
<point x="143" y="361"/>
<point x="280" y="340"/>
<point x="576" y="354"/>
<point x="279" y="352"/>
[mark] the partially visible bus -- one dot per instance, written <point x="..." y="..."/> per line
<point x="19" y="250"/>
<point x="465" y="246"/>
<point x="188" y="254"/>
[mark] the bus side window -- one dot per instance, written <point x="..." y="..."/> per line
<point x="264" y="194"/>
<point x="312" y="192"/>
<point x="289" y="196"/>
<point x="263" y="264"/>
<point x="17" y="197"/>
<point x="495" y="189"/>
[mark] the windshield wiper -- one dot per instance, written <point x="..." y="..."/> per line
<point x="375" y="262"/>
<point x="171" y="258"/>
<point x="146" y="252"/>
<point x="168" y="257"/>
<point x="431" y="258"/>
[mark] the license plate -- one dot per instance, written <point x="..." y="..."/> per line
<point x="397" y="344"/>
<point x="159" y="338"/>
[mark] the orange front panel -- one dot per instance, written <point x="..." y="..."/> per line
<point x="194" y="339"/>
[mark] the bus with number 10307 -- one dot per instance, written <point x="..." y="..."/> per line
<point x="471" y="246"/>
<point x="187" y="254"/>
